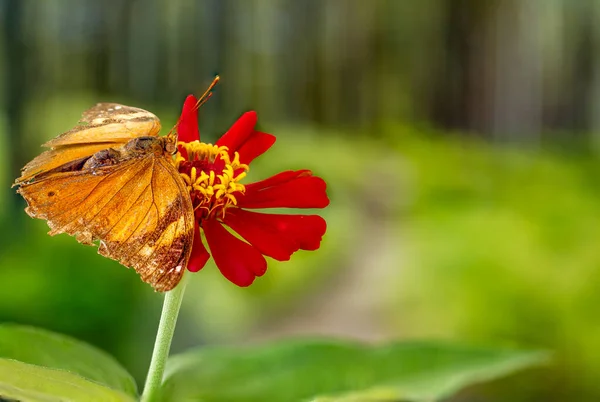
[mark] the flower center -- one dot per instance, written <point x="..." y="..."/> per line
<point x="212" y="178"/>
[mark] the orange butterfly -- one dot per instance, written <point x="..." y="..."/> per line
<point x="112" y="179"/>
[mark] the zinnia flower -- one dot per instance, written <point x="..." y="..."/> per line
<point x="222" y="203"/>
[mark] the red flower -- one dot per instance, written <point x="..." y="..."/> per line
<point x="213" y="174"/>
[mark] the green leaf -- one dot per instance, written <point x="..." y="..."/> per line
<point x="27" y="382"/>
<point x="321" y="370"/>
<point x="48" y="349"/>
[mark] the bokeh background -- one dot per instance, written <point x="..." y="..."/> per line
<point x="459" y="140"/>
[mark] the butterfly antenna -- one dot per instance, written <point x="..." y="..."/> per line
<point x="207" y="94"/>
<point x="201" y="101"/>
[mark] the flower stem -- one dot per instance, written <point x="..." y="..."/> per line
<point x="166" y="328"/>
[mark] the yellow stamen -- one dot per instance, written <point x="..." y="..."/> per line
<point x="218" y="190"/>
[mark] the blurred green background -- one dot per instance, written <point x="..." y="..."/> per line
<point x="459" y="140"/>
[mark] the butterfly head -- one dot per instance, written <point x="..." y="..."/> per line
<point x="170" y="143"/>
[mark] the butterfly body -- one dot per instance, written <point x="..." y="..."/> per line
<point x="111" y="179"/>
<point x="137" y="148"/>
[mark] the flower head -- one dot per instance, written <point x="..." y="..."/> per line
<point x="215" y="175"/>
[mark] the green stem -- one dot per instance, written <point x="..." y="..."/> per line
<point x="166" y="328"/>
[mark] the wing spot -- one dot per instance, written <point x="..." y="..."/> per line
<point x="100" y="120"/>
<point x="51" y="193"/>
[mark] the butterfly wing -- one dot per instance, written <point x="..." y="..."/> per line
<point x="139" y="210"/>
<point x="109" y="122"/>
<point x="102" y="126"/>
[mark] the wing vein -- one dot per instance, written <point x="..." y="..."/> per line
<point x="150" y="207"/>
<point x="158" y="214"/>
<point x="139" y="223"/>
<point x="125" y="213"/>
<point x="111" y="198"/>
<point x="88" y="195"/>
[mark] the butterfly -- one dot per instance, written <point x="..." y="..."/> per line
<point x="111" y="180"/>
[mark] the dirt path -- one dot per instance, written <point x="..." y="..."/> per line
<point x="351" y="303"/>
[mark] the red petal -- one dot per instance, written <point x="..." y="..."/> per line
<point x="279" y="178"/>
<point x="187" y="126"/>
<point x="237" y="260"/>
<point x="199" y="254"/>
<point x="241" y="130"/>
<point x="277" y="235"/>
<point x="257" y="144"/>
<point x="299" y="189"/>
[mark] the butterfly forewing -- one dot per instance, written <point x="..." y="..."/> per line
<point x="102" y="126"/>
<point x="109" y="122"/>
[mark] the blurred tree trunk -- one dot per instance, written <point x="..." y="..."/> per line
<point x="99" y="51"/>
<point x="517" y="102"/>
<point x="116" y="26"/>
<point x="144" y="48"/>
<point x="16" y="89"/>
<point x="452" y="89"/>
<point x="594" y="92"/>
<point x="583" y="69"/>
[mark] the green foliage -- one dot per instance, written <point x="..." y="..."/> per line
<point x="26" y="382"/>
<point x="303" y="370"/>
<point x="40" y="348"/>
<point x="502" y="246"/>
<point x="38" y="365"/>
<point x="58" y="284"/>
